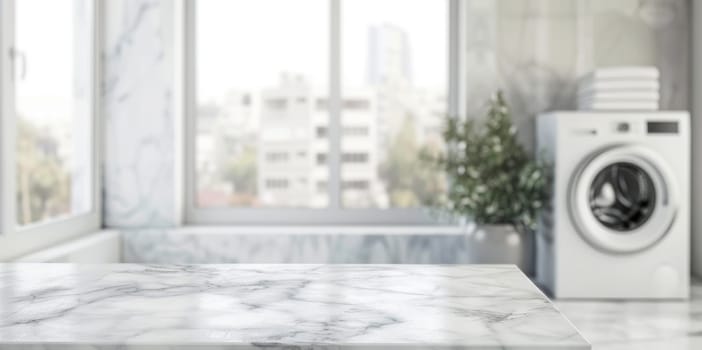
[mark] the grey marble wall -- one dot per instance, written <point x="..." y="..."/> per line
<point x="534" y="50"/>
<point x="137" y="95"/>
<point x="210" y="245"/>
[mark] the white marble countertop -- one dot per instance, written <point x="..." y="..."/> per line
<point x="125" y="306"/>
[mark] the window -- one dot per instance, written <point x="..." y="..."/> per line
<point x="48" y="117"/>
<point x="401" y="63"/>
<point x="355" y="131"/>
<point x="52" y="110"/>
<point x="354" y="158"/>
<point x="321" y="132"/>
<point x="360" y="91"/>
<point x="279" y="69"/>
<point x="277" y="184"/>
<point x="355" y="185"/>
<point x="277" y="157"/>
<point x="356" y="104"/>
<point x="321" y="158"/>
<point x="276" y="103"/>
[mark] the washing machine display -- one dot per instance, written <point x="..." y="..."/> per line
<point x="622" y="197"/>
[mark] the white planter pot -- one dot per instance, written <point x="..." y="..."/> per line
<point x="501" y="244"/>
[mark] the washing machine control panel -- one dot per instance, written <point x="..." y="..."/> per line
<point x="650" y="127"/>
<point x="623" y="127"/>
<point x="662" y="127"/>
<point x="626" y="128"/>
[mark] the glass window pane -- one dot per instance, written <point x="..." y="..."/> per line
<point x="53" y="82"/>
<point x="262" y="82"/>
<point x="394" y="83"/>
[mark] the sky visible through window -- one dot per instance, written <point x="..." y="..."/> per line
<point x="236" y="20"/>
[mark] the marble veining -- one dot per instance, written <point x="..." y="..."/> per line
<point x="203" y="245"/>
<point x="536" y="50"/>
<point x="127" y="306"/>
<point x="608" y="325"/>
<point x="139" y="121"/>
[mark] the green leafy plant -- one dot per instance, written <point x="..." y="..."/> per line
<point x="492" y="179"/>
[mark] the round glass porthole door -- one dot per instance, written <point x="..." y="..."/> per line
<point x="622" y="199"/>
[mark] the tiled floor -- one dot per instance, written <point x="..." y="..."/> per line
<point x="639" y="325"/>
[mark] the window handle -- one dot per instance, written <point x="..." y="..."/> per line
<point x="19" y="59"/>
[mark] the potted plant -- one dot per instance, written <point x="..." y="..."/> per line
<point x="494" y="186"/>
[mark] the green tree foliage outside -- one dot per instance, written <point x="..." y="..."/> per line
<point x="43" y="183"/>
<point x="241" y="172"/>
<point x="409" y="182"/>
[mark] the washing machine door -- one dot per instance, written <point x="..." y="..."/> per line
<point x="623" y="199"/>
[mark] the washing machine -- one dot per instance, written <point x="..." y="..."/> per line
<point x="617" y="225"/>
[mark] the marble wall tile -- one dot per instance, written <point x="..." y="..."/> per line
<point x="137" y="95"/>
<point x="535" y="50"/>
<point x="200" y="246"/>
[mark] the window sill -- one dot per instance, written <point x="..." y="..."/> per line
<point x="322" y="230"/>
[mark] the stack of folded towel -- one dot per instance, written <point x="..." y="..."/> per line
<point x="619" y="88"/>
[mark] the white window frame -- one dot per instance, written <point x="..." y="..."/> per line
<point x="334" y="214"/>
<point x="18" y="240"/>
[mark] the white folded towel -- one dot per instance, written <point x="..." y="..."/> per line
<point x="617" y="106"/>
<point x="619" y="85"/>
<point x="623" y="72"/>
<point x="632" y="88"/>
<point x="618" y="95"/>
